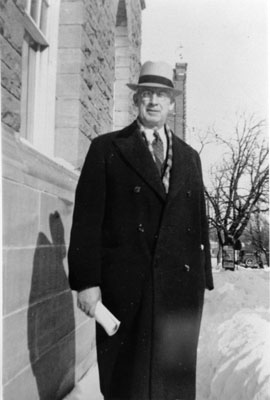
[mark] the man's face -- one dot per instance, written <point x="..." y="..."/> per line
<point x="154" y="105"/>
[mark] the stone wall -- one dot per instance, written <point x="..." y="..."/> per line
<point x="127" y="51"/>
<point x="90" y="77"/>
<point x="11" y="33"/>
<point x="180" y="75"/>
<point x="48" y="343"/>
<point x="177" y="119"/>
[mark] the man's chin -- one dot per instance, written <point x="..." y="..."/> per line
<point x="153" y="114"/>
<point x="153" y="119"/>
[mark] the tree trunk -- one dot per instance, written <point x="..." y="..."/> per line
<point x="219" y="254"/>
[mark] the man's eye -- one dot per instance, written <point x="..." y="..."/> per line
<point x="163" y="94"/>
<point x="146" y="94"/>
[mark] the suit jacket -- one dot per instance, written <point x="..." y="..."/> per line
<point x="149" y="252"/>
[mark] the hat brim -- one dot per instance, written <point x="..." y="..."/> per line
<point x="135" y="86"/>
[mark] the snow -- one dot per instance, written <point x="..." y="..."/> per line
<point x="233" y="353"/>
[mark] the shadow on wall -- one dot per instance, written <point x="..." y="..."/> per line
<point x="51" y="323"/>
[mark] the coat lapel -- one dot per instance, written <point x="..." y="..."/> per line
<point x="135" y="152"/>
<point x="179" y="171"/>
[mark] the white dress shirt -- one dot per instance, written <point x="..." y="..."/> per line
<point x="149" y="133"/>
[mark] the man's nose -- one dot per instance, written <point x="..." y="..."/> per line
<point x="153" y="98"/>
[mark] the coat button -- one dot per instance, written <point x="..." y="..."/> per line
<point x="137" y="189"/>
<point x="188" y="193"/>
<point x="187" y="267"/>
<point x="140" y="228"/>
<point x="188" y="229"/>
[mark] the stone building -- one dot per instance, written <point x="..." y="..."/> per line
<point x="64" y="69"/>
<point x="62" y="65"/>
<point x="177" y="120"/>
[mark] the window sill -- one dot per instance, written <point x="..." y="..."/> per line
<point x="26" y="165"/>
<point x="35" y="33"/>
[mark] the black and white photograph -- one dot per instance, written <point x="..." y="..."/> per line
<point x="135" y="200"/>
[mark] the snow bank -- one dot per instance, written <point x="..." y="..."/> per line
<point x="233" y="354"/>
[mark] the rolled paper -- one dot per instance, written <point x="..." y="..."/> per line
<point x="106" y="319"/>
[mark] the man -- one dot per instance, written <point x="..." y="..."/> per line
<point x="139" y="242"/>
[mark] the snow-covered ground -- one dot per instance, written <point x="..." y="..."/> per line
<point x="234" y="348"/>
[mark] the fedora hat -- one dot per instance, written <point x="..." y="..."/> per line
<point x="155" y="74"/>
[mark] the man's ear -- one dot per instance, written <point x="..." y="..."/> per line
<point x="135" y="98"/>
<point x="171" y="107"/>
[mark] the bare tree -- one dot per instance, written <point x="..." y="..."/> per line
<point x="239" y="183"/>
<point x="203" y="138"/>
<point x="257" y="234"/>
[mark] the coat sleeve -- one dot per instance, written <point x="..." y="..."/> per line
<point x="85" y="239"/>
<point x="205" y="234"/>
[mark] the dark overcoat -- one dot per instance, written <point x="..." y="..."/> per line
<point x="149" y="253"/>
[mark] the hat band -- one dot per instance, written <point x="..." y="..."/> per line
<point x="156" y="79"/>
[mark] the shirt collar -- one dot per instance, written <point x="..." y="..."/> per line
<point x="149" y="132"/>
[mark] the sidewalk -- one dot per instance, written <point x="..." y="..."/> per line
<point x="87" y="388"/>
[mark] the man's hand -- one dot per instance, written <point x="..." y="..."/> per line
<point x="87" y="300"/>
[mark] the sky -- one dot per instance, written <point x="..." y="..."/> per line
<point x="224" y="43"/>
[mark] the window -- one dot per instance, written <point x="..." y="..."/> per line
<point x="39" y="11"/>
<point x="35" y="16"/>
<point x="39" y="57"/>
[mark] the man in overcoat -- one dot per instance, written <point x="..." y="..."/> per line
<point x="139" y="242"/>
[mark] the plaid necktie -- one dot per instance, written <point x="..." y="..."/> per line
<point x="169" y="159"/>
<point x="158" y="150"/>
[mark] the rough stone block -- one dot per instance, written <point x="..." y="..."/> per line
<point x="11" y="80"/>
<point x="10" y="110"/>
<point x="11" y="31"/>
<point x="10" y="57"/>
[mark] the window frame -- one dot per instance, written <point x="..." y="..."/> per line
<point x="32" y="25"/>
<point x="39" y="55"/>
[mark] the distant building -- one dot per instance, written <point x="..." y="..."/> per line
<point x="64" y="69"/>
<point x="177" y="120"/>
